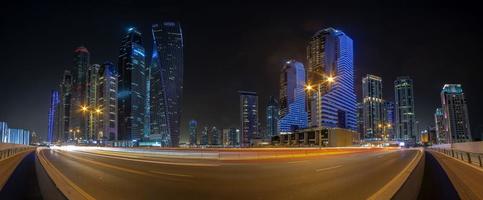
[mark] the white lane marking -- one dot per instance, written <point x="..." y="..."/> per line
<point x="328" y="168"/>
<point x="171" y="174"/>
<point x="298" y="161"/>
<point x="152" y="161"/>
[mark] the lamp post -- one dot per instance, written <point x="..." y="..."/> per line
<point x="325" y="80"/>
<point x="384" y="126"/>
<point x="92" y="123"/>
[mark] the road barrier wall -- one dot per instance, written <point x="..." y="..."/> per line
<point x="472" y="158"/>
<point x="9" y="150"/>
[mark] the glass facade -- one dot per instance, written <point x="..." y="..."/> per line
<point x="131" y="87"/>
<point x="107" y="102"/>
<point x="455" y="112"/>
<point x="52" y="118"/>
<point x="3" y="132"/>
<point x="272" y="117"/>
<point x="373" y="110"/>
<point x="18" y="136"/>
<point x="79" y="120"/>
<point x="441" y="132"/>
<point x="248" y="117"/>
<point x="330" y="54"/>
<point x="405" y="124"/>
<point x="166" y="82"/>
<point x="65" y="106"/>
<point x="292" y="97"/>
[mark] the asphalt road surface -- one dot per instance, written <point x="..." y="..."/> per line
<point x="332" y="176"/>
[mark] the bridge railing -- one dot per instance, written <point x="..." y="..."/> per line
<point x="7" y="151"/>
<point x="469" y="157"/>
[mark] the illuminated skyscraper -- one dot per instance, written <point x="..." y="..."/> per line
<point x="92" y="86"/>
<point x="166" y="82"/>
<point x="373" y="109"/>
<point x="405" y="124"/>
<point x="248" y="117"/>
<point x="331" y="70"/>
<point x="18" y="136"/>
<point x="193" y="132"/>
<point x="79" y="120"/>
<point x="272" y="117"/>
<point x="292" y="97"/>
<point x="107" y="102"/>
<point x="131" y="87"/>
<point x="441" y="132"/>
<point x="54" y="104"/>
<point x="3" y="132"/>
<point x="455" y="110"/>
<point x="389" y="117"/>
<point x="65" y="106"/>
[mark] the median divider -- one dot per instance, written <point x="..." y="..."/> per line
<point x="10" y="157"/>
<point x="407" y="183"/>
<point x="68" y="189"/>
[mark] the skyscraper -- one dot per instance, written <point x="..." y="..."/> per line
<point x="331" y="69"/>
<point x="404" y="105"/>
<point x="456" y="120"/>
<point x="439" y="122"/>
<point x="65" y="106"/>
<point x="272" y="117"/>
<point x="51" y="129"/>
<point x="79" y="120"/>
<point x="166" y="82"/>
<point x="389" y="117"/>
<point x="3" y="132"/>
<point x="292" y="97"/>
<point x="18" y="136"/>
<point x="214" y="136"/>
<point x="193" y="132"/>
<point x="373" y="110"/>
<point x="92" y="86"/>
<point x="360" y="119"/>
<point x="248" y="117"/>
<point x="131" y="87"/>
<point x="107" y="102"/>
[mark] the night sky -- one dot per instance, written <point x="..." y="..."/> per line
<point x="233" y="46"/>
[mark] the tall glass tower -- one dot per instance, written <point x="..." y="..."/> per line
<point x="373" y="109"/>
<point x="79" y="122"/>
<point x="272" y="117"/>
<point x="131" y="87"/>
<point x="405" y="116"/>
<point x="292" y="97"/>
<point x="441" y="132"/>
<point x="65" y="106"/>
<point x="248" y="117"/>
<point x="331" y="68"/>
<point x="51" y="130"/>
<point x="455" y="110"/>
<point x="107" y="102"/>
<point x="166" y="82"/>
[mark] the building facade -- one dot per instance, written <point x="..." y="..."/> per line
<point x="455" y="112"/>
<point x="3" y="132"/>
<point x="272" y="118"/>
<point x="331" y="69"/>
<point x="79" y="120"/>
<point x="373" y="107"/>
<point x="53" y="117"/>
<point x="18" y="136"/>
<point x="166" y="82"/>
<point x="107" y="89"/>
<point x="389" y="118"/>
<point x="441" y="133"/>
<point x="404" y="105"/>
<point x="65" y="106"/>
<point x="192" y="129"/>
<point x="292" y="111"/>
<point x="131" y="88"/>
<point x="248" y="117"/>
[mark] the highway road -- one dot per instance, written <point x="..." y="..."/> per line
<point x="109" y="175"/>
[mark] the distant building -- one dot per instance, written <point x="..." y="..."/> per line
<point x="79" y="99"/>
<point x="65" y="106"/>
<point x="3" y="132"/>
<point x="331" y="69"/>
<point x="231" y="137"/>
<point x="439" y="122"/>
<point x="214" y="136"/>
<point x="52" y="118"/>
<point x="373" y="107"/>
<point x="360" y="119"/>
<point x="192" y="128"/>
<point x="204" y="138"/>
<point x="107" y="102"/>
<point x="131" y="88"/>
<point x="389" y="118"/>
<point x="18" y="136"/>
<point x="292" y="97"/>
<point x="248" y="117"/>
<point x="456" y="120"/>
<point x="166" y="82"/>
<point x="272" y="117"/>
<point x="404" y="105"/>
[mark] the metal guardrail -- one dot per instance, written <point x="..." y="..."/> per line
<point x="469" y="157"/>
<point x="7" y="153"/>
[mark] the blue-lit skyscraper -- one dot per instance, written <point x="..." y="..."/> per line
<point x="3" y="132"/>
<point x="331" y="69"/>
<point x="166" y="82"/>
<point x="51" y="129"/>
<point x="405" y="124"/>
<point x="131" y="87"/>
<point x="292" y="97"/>
<point x="272" y="117"/>
<point x="18" y="136"/>
<point x="455" y="112"/>
<point x="248" y="117"/>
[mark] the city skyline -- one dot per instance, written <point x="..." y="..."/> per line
<point x="427" y="91"/>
